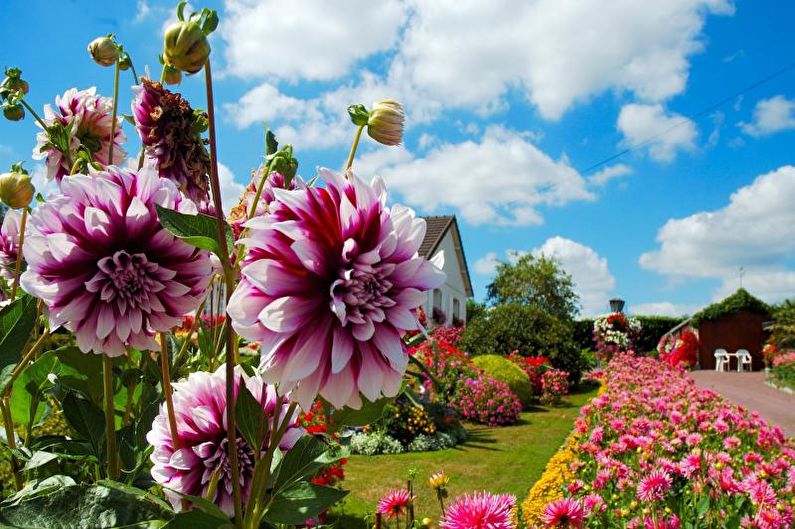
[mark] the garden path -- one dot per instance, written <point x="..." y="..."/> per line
<point x="750" y="390"/>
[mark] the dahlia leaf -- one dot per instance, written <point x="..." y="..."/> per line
<point x="16" y="323"/>
<point x="368" y="413"/>
<point x="300" y="461"/>
<point x="86" y="419"/>
<point x="80" y="371"/>
<point x="30" y="390"/>
<point x="208" y="509"/>
<point x="247" y="414"/>
<point x="197" y="520"/>
<point x="197" y="230"/>
<point x="301" y="501"/>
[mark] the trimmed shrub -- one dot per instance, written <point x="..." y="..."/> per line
<point x="486" y="400"/>
<point x="506" y="371"/>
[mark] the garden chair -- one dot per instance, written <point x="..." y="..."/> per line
<point x="743" y="360"/>
<point x="721" y="360"/>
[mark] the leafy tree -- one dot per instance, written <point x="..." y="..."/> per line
<point x="535" y="281"/>
<point x="784" y="323"/>
<point x="475" y="310"/>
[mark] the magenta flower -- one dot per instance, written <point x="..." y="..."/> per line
<point x="200" y="409"/>
<point x="105" y="267"/>
<point x="394" y="503"/>
<point x="482" y="510"/>
<point x="329" y="286"/>
<point x="566" y="512"/>
<point x="654" y="485"/>
<point x="9" y="244"/>
<point x="88" y="118"/>
<point x="239" y="214"/>
<point x="171" y="134"/>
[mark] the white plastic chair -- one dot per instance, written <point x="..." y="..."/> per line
<point x="721" y="360"/>
<point x="744" y="360"/>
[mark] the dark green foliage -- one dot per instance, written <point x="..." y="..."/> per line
<point x="506" y="371"/>
<point x="784" y="323"/>
<point x="475" y="310"/>
<point x="740" y="301"/>
<point x="582" y="333"/>
<point x="530" y="330"/>
<point x="652" y="329"/>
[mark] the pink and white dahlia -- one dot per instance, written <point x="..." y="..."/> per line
<point x="239" y="214"/>
<point x="105" y="267"/>
<point x="394" y="503"/>
<point x="171" y="133"/>
<point x="566" y="512"/>
<point x="200" y="409"/>
<point x="482" y="510"/>
<point x="654" y="485"/>
<point x="88" y="119"/>
<point x="329" y="286"/>
<point x="9" y="244"/>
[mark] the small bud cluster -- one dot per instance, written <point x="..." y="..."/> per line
<point x="12" y="90"/>
<point x="185" y="45"/>
<point x="16" y="190"/>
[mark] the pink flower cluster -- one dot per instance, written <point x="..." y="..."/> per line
<point x="657" y="451"/>
<point x="481" y="510"/>
<point x="486" y="400"/>
<point x="554" y="386"/>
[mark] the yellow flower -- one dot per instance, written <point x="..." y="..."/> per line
<point x="439" y="480"/>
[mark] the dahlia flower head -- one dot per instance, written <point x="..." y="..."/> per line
<point x="239" y="214"/>
<point x="566" y="512"/>
<point x="171" y="136"/>
<point x="394" y="503"/>
<point x="200" y="409"/>
<point x="9" y="244"/>
<point x="482" y="510"/>
<point x="88" y="117"/>
<point x="330" y="284"/>
<point x="105" y="267"/>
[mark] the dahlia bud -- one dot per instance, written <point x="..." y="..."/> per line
<point x="185" y="45"/>
<point x="438" y="481"/>
<point x="14" y="112"/>
<point x="16" y="191"/>
<point x="385" y="124"/>
<point x="14" y="81"/>
<point x="104" y="51"/>
<point x="172" y="76"/>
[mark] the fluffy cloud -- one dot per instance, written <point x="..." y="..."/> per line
<point x="230" y="189"/>
<point x="307" y="39"/>
<point x="502" y="179"/>
<point x="662" y="308"/>
<point x="770" y="116"/>
<point x="607" y="174"/>
<point x="662" y="133"/>
<point x="431" y="50"/>
<point x="487" y="264"/>
<point x="755" y="231"/>
<point x="592" y="278"/>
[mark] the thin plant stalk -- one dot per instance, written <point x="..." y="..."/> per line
<point x="18" y="265"/>
<point x="8" y="423"/>
<point x="165" y="372"/>
<point x="355" y="145"/>
<point x="115" y="110"/>
<point x="110" y="418"/>
<point x="34" y="114"/>
<point x="230" y="284"/>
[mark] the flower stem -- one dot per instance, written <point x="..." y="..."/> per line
<point x="355" y="145"/>
<point x="167" y="392"/>
<point x="231" y="428"/>
<point x="110" y="419"/>
<point x="115" y="109"/>
<point x="33" y="113"/>
<point x="18" y="265"/>
<point x="8" y="423"/>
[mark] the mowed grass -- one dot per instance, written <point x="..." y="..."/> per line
<point x="504" y="460"/>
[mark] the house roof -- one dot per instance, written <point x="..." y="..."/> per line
<point x="436" y="227"/>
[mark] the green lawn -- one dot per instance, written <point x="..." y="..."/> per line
<point x="506" y="459"/>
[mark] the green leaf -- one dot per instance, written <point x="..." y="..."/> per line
<point x="303" y="460"/>
<point x="82" y="506"/>
<point x="247" y="416"/>
<point x="80" y="371"/>
<point x="703" y="506"/>
<point x="369" y="412"/>
<point x="29" y="392"/>
<point x="205" y="505"/>
<point x="16" y="323"/>
<point x="197" y="520"/>
<point x="86" y="419"/>
<point x="39" y="459"/>
<point x="197" y="230"/>
<point x="301" y="501"/>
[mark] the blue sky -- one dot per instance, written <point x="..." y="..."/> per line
<point x="508" y="104"/>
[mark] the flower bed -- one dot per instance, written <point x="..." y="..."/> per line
<point x="782" y="370"/>
<point x="657" y="451"/>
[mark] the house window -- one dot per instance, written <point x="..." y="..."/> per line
<point x="456" y="310"/>
<point x="438" y="317"/>
<point x="437" y="299"/>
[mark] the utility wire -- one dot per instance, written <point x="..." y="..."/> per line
<point x="692" y="117"/>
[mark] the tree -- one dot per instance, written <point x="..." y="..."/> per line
<point x="475" y="310"/>
<point x="535" y="281"/>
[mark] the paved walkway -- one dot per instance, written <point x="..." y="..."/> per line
<point x="750" y="390"/>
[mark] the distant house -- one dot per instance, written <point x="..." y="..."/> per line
<point x="442" y="235"/>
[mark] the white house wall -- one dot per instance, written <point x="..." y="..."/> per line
<point x="454" y="287"/>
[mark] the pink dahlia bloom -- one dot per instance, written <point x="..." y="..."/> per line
<point x="9" y="244"/>
<point x="394" y="503"/>
<point x="329" y="286"/>
<point x="107" y="270"/>
<point x="654" y="485"/>
<point x="567" y="513"/>
<point x="200" y="409"/>
<point x="171" y="133"/>
<point x="88" y="117"/>
<point x="482" y="510"/>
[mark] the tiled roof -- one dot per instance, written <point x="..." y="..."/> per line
<point x="434" y="231"/>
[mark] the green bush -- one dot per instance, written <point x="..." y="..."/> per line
<point x="527" y="329"/>
<point x="509" y="373"/>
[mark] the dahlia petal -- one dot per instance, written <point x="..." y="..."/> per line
<point x="363" y="331"/>
<point x="339" y="387"/>
<point x="388" y="342"/>
<point x="287" y="314"/>
<point x="341" y="349"/>
<point x="371" y="376"/>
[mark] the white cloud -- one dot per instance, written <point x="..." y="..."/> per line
<point x="770" y="116"/>
<point x="142" y="11"/>
<point x="487" y="264"/>
<point x="502" y="179"/>
<point x="662" y="133"/>
<point x="662" y="308"/>
<point x="230" y="189"/>
<point x="609" y="173"/>
<point x="307" y="39"/>
<point x="589" y="271"/>
<point x="755" y="231"/>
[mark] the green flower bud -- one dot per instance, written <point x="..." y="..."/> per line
<point x="185" y="46"/>
<point x="386" y="122"/>
<point x="14" y="112"/>
<point x="16" y="191"/>
<point x="14" y="81"/>
<point x="172" y="76"/>
<point x="104" y="51"/>
<point x="359" y="115"/>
